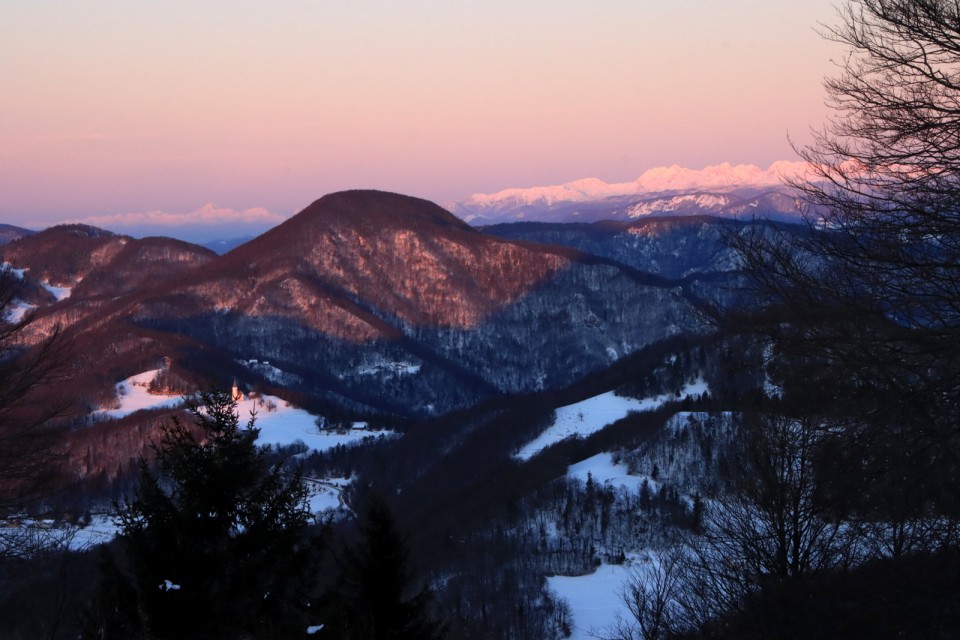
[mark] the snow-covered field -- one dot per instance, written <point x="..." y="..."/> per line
<point x="100" y="530"/>
<point x="279" y="423"/>
<point x="584" y="418"/>
<point x="594" y="599"/>
<point x="134" y="396"/>
<point x="18" y="309"/>
<point x="19" y="274"/>
<point x="603" y="471"/>
<point x="325" y="495"/>
<point x="60" y="293"/>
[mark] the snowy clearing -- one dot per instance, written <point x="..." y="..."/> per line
<point x="284" y="425"/>
<point x="280" y="424"/>
<point x="594" y="598"/>
<point x="584" y="418"/>
<point x="325" y="494"/>
<point x="60" y="293"/>
<point x="324" y="497"/>
<point x="134" y="396"/>
<point x="603" y="471"/>
<point x="18" y="310"/>
<point x="389" y="368"/>
<point x="100" y="530"/>
<point x="19" y="274"/>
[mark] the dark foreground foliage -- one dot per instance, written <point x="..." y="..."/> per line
<point x="917" y="596"/>
<point x="375" y="596"/>
<point x="215" y="543"/>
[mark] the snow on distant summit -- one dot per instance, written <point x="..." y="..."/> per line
<point x="532" y="203"/>
<point x="677" y="178"/>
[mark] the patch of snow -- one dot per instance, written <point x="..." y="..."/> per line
<point x="18" y="310"/>
<point x="604" y="471"/>
<point x="389" y="368"/>
<point x="585" y="418"/>
<point x="325" y="494"/>
<point x="134" y="396"/>
<point x="19" y="274"/>
<point x="56" y="534"/>
<point x="594" y="599"/>
<point x="696" y="388"/>
<point x="101" y="529"/>
<point x="282" y="425"/>
<point x="60" y="293"/>
<point x="658" y="179"/>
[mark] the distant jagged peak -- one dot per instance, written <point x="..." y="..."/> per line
<point x="577" y="191"/>
<point x="655" y="180"/>
<point x="718" y="176"/>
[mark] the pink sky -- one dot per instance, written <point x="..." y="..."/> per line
<point x="113" y="107"/>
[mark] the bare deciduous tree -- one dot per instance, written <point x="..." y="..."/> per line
<point x="770" y="527"/>
<point x="30" y="436"/>
<point x="651" y="595"/>
<point x="864" y="304"/>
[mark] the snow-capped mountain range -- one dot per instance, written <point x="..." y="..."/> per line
<point x="663" y="190"/>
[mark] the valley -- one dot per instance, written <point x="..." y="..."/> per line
<point x="375" y="329"/>
<point x="550" y="410"/>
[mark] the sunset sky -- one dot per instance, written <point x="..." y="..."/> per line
<point x="254" y="109"/>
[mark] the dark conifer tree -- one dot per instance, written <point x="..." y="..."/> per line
<point x="376" y="597"/>
<point x="213" y="543"/>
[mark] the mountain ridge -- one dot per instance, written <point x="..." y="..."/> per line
<point x="660" y="190"/>
<point x="369" y="300"/>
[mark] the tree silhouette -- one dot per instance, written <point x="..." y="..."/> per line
<point x="213" y="541"/>
<point x="376" y="597"/>
<point x="32" y="412"/>
<point x="863" y="306"/>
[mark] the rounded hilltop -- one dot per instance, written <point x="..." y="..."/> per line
<point x="380" y="208"/>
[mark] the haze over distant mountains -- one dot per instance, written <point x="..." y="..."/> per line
<point x="727" y="190"/>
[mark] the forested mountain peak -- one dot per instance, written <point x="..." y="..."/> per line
<point x="402" y="256"/>
<point x="106" y="263"/>
<point x="368" y="206"/>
